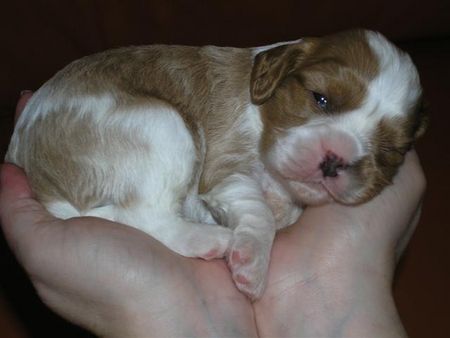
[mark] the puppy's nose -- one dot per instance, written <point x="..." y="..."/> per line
<point x="331" y="164"/>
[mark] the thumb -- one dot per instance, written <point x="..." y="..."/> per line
<point x="19" y="211"/>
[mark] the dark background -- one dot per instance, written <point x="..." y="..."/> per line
<point x="39" y="37"/>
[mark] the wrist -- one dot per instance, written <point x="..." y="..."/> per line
<point x="337" y="304"/>
<point x="356" y="304"/>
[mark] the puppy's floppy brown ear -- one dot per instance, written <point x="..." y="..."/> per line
<point x="271" y="67"/>
<point x="422" y="120"/>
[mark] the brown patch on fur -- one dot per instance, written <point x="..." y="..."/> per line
<point x="339" y="66"/>
<point x="271" y="67"/>
<point x="208" y="86"/>
<point x="54" y="164"/>
<point x="392" y="139"/>
<point x="419" y="119"/>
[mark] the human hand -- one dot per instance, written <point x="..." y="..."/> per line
<point x="331" y="273"/>
<point x="113" y="279"/>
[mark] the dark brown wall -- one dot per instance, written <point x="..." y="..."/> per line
<point x="38" y="37"/>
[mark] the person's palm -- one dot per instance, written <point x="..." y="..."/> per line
<point x="103" y="275"/>
<point x="335" y="251"/>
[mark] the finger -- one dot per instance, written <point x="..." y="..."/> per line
<point x="412" y="176"/>
<point x="24" y="97"/>
<point x="19" y="211"/>
<point x="404" y="240"/>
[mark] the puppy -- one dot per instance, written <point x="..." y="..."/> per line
<point x="211" y="150"/>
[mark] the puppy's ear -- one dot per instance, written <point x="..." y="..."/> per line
<point x="271" y="67"/>
<point x="422" y="120"/>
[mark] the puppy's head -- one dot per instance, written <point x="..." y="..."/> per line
<point x="339" y="114"/>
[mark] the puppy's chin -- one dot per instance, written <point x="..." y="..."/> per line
<point x="310" y="193"/>
<point x="325" y="191"/>
<point x="346" y="188"/>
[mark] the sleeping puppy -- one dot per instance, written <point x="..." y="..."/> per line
<point x="211" y="150"/>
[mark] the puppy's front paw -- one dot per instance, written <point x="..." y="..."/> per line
<point x="248" y="260"/>
<point x="207" y="242"/>
<point x="214" y="244"/>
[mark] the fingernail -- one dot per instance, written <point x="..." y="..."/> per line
<point x="25" y="91"/>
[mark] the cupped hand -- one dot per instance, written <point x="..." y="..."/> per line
<point x="331" y="273"/>
<point x="115" y="280"/>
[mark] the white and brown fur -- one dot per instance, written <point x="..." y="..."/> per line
<point x="212" y="149"/>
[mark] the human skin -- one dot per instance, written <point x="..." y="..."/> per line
<point x="330" y="273"/>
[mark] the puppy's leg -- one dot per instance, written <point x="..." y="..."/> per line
<point x="186" y="238"/>
<point x="238" y="202"/>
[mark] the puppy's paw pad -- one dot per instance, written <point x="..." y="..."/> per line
<point x="242" y="280"/>
<point x="248" y="260"/>
<point x="212" y="244"/>
<point x="239" y="257"/>
<point x="252" y="287"/>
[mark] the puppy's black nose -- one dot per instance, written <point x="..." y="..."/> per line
<point x="331" y="164"/>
